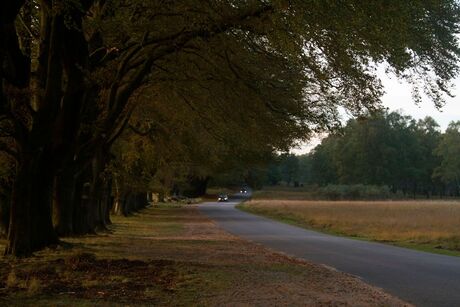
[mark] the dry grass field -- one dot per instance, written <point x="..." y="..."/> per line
<point x="174" y="256"/>
<point x="426" y="225"/>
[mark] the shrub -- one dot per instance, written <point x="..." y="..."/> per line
<point x="353" y="192"/>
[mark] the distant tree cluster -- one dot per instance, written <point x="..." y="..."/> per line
<point x="386" y="149"/>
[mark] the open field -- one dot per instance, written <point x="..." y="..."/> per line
<point x="174" y="256"/>
<point x="426" y="225"/>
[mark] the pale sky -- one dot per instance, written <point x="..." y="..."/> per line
<point x="398" y="97"/>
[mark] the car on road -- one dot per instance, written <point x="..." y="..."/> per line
<point x="243" y="191"/>
<point x="222" y="197"/>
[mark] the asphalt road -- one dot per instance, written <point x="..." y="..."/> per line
<point x="423" y="279"/>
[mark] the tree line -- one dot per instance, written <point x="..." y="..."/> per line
<point x="102" y="101"/>
<point x="412" y="157"/>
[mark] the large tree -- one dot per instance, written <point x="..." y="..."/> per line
<point x="449" y="152"/>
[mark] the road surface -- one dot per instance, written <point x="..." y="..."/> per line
<point x="423" y="279"/>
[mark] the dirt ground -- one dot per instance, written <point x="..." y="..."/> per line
<point x="174" y="256"/>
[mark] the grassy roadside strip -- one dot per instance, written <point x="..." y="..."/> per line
<point x="295" y="220"/>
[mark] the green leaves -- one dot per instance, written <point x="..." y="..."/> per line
<point x="387" y="149"/>
<point x="449" y="152"/>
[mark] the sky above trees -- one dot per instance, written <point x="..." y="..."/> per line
<point x="398" y="96"/>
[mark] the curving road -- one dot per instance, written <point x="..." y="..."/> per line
<point x="423" y="279"/>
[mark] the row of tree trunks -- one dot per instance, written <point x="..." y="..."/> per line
<point x="40" y="149"/>
<point x="65" y="194"/>
<point x="130" y="203"/>
<point x="82" y="201"/>
<point x="58" y="191"/>
<point x="98" y="190"/>
<point x="49" y="197"/>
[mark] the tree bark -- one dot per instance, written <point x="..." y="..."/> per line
<point x="98" y="202"/>
<point x="4" y="216"/>
<point x="107" y="202"/>
<point x="31" y="227"/>
<point x="83" y="223"/>
<point x="64" y="201"/>
<point x="117" y="199"/>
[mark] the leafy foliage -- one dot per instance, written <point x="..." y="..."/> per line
<point x="385" y="149"/>
<point x="449" y="151"/>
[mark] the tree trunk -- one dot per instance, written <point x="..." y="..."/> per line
<point x="31" y="227"/>
<point x="142" y="201"/>
<point x="4" y="216"/>
<point x="133" y="202"/>
<point x="82" y="223"/>
<point x="92" y="197"/>
<point x="123" y="205"/>
<point x="117" y="199"/>
<point x="98" y="202"/>
<point x="64" y="201"/>
<point x="129" y="204"/>
<point x="108" y="199"/>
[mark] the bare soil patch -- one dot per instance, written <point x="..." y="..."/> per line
<point x="173" y="256"/>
